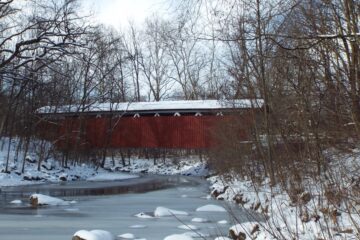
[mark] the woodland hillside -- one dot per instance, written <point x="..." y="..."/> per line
<point x="300" y="57"/>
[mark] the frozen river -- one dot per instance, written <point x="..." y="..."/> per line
<point x="112" y="206"/>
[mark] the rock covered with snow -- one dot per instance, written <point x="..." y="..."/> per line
<point x="41" y="200"/>
<point x="30" y="159"/>
<point x="165" y="212"/>
<point x="63" y="177"/>
<point x="92" y="235"/>
<point x="244" y="230"/>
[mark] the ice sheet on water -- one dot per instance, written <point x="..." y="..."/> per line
<point x="111" y="177"/>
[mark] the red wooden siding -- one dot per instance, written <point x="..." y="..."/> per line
<point x="183" y="132"/>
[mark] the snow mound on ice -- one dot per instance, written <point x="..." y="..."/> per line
<point x="178" y="237"/>
<point x="16" y="202"/>
<point x="165" y="212"/>
<point x="200" y="220"/>
<point x="196" y="234"/>
<point x="94" y="235"/>
<point x="127" y="236"/>
<point x="72" y="209"/>
<point x="40" y="199"/>
<point x="188" y="227"/>
<point x="222" y="222"/>
<point x="143" y="215"/>
<point x="211" y="208"/>
<point x="138" y="226"/>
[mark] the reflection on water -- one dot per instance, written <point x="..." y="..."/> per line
<point x="82" y="188"/>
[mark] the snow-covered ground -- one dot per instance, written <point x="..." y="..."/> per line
<point x="188" y="166"/>
<point x="312" y="215"/>
<point x="51" y="170"/>
<point x="326" y="208"/>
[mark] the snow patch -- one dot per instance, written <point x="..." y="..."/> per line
<point x="72" y="209"/>
<point x="178" y="237"/>
<point x="143" y="215"/>
<point x="161" y="105"/>
<point x="111" y="177"/>
<point x="138" y="226"/>
<point x="94" y="235"/>
<point x="165" y="212"/>
<point x="16" y="201"/>
<point x="245" y="228"/>
<point x="196" y="234"/>
<point x="200" y="220"/>
<point x="127" y="236"/>
<point x="188" y="227"/>
<point x="222" y="222"/>
<point x="211" y="208"/>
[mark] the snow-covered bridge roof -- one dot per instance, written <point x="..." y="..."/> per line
<point x="162" y="106"/>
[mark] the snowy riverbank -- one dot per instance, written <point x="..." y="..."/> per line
<point x="51" y="171"/>
<point x="323" y="209"/>
<point x="326" y="208"/>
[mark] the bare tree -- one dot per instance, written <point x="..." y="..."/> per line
<point x="134" y="51"/>
<point x="188" y="61"/>
<point x="154" y="60"/>
<point x="31" y="41"/>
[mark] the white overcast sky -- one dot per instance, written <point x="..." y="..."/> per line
<point x="117" y="13"/>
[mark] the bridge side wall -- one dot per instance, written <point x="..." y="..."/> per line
<point x="172" y="132"/>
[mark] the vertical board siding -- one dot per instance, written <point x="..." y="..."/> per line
<point x="173" y="132"/>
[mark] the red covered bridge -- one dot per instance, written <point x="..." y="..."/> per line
<point x="166" y="124"/>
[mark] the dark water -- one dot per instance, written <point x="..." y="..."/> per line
<point x="83" y="188"/>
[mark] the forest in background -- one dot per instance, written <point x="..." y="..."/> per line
<point x="300" y="167"/>
<point x="301" y="57"/>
